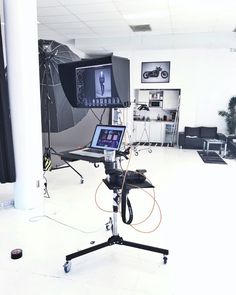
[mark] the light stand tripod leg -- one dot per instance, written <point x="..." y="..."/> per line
<point x="146" y="247"/>
<point x="86" y="251"/>
<point x="81" y="177"/>
<point x="54" y="152"/>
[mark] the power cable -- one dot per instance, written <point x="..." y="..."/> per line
<point x="155" y="203"/>
<point x="39" y="217"/>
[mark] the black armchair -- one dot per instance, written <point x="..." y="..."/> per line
<point x="231" y="145"/>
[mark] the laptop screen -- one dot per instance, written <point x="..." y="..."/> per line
<point x="108" y="137"/>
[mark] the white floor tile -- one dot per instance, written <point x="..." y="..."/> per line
<point x="197" y="203"/>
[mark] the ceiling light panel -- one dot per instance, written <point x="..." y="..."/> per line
<point x="92" y="8"/>
<point x="146" y="14"/>
<point x="100" y="16"/>
<point x="82" y="2"/>
<point x="51" y="11"/>
<point x="112" y="30"/>
<point x="57" y="19"/>
<point x="47" y="3"/>
<point x="78" y="35"/>
<point x="71" y="25"/>
<point x="153" y="3"/>
<point x="196" y="8"/>
<point x="107" y="23"/>
<point x="84" y="30"/>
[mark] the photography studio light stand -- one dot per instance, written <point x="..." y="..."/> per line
<point x="145" y="132"/>
<point x="49" y="150"/>
<point x="114" y="182"/>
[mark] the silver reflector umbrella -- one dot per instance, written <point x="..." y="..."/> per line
<point x="57" y="113"/>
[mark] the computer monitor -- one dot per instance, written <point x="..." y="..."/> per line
<point x="97" y="83"/>
<point x="95" y="86"/>
<point x="108" y="137"/>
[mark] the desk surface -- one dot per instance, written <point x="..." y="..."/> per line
<point x="69" y="156"/>
<point x="129" y="186"/>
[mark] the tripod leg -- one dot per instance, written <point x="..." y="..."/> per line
<point x="81" y="177"/>
<point x="86" y="251"/>
<point x="67" y="264"/>
<point x="148" y="248"/>
<point x="67" y="163"/>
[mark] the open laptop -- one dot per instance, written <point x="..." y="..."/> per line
<point x="105" y="137"/>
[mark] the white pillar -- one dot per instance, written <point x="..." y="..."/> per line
<point x="24" y="91"/>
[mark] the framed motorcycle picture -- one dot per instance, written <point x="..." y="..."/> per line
<point x="155" y="72"/>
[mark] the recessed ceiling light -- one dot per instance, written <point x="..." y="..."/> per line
<point x="140" y="28"/>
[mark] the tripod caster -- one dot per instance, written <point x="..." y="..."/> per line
<point x="82" y="181"/>
<point x="136" y="153"/>
<point x="67" y="266"/>
<point x="165" y="259"/>
<point x="149" y="150"/>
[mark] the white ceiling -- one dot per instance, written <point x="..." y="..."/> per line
<point x="101" y="26"/>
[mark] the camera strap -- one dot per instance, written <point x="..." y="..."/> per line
<point x="125" y="202"/>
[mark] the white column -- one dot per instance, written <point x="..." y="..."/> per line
<point x="24" y="91"/>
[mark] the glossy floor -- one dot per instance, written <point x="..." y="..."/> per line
<point x="197" y="202"/>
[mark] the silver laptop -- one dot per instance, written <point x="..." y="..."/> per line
<point x="105" y="137"/>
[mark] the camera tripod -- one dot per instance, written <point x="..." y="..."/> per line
<point x="115" y="239"/>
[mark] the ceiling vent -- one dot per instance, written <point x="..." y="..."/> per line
<point x="141" y="28"/>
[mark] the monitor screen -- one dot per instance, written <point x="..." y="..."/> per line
<point x="95" y="86"/>
<point x="102" y="82"/>
<point x="108" y="137"/>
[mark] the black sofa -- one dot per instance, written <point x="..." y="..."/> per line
<point x="193" y="137"/>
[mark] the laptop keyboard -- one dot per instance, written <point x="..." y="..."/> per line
<point x="92" y="150"/>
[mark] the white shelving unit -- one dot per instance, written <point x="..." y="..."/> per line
<point x="157" y="112"/>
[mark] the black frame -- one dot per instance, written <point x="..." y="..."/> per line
<point x="148" y="74"/>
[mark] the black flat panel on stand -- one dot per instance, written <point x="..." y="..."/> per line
<point x="97" y="83"/>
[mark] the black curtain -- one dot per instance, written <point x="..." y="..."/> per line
<point x="7" y="163"/>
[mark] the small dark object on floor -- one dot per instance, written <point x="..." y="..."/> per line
<point x="211" y="158"/>
<point x="16" y="254"/>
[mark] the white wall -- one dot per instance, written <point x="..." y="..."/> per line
<point x="206" y="77"/>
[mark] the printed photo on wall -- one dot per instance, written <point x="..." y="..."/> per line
<point x="155" y="72"/>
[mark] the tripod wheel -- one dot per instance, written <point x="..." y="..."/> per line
<point x="67" y="266"/>
<point x="82" y="181"/>
<point x="165" y="259"/>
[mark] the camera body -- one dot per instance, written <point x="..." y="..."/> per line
<point x="117" y="177"/>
